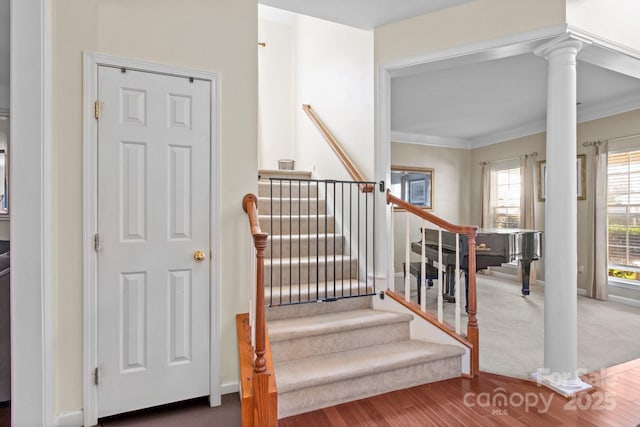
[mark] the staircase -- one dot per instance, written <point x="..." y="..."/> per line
<point x="339" y="350"/>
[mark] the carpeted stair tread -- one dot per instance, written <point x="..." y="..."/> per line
<point x="326" y="369"/>
<point x="323" y="324"/>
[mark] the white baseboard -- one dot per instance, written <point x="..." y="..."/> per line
<point x="69" y="419"/>
<point x="615" y="298"/>
<point x="229" y="388"/>
<point x="624" y="300"/>
<point x="75" y="419"/>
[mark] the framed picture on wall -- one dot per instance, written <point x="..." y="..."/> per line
<point x="413" y="185"/>
<point x="581" y="171"/>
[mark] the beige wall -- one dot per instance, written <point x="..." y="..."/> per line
<point x="468" y="23"/>
<point x="211" y="35"/>
<point x="450" y="188"/>
<point x="334" y="74"/>
<point x="276" y="92"/>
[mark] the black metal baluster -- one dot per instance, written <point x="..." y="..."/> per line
<point x="373" y="238"/>
<point x="281" y="239"/>
<point x="309" y="239"/>
<point x="366" y="240"/>
<point x="271" y="243"/>
<point x="326" y="229"/>
<point x="358" y="264"/>
<point x="341" y="234"/>
<point x="317" y="240"/>
<point x="350" y="237"/>
<point x="290" y="231"/>
<point x="299" y="246"/>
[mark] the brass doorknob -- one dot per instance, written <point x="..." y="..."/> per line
<point x="199" y="256"/>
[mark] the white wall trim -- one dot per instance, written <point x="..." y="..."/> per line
<point x="69" y="419"/>
<point x="91" y="62"/>
<point x="487" y="50"/>
<point x="603" y="42"/>
<point x="32" y="311"/>
<point x="227" y="388"/>
<point x="430" y="140"/>
<point x="624" y="300"/>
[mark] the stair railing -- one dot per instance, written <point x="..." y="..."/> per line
<point x="470" y="232"/>
<point x="337" y="148"/>
<point x="264" y="411"/>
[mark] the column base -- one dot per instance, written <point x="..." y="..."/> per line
<point x="562" y="386"/>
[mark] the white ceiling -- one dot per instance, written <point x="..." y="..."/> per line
<point x="365" y="14"/>
<point x="488" y="102"/>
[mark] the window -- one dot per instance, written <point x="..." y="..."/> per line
<point x="623" y="214"/>
<point x="505" y="198"/>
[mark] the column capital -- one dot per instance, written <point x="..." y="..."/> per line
<point x="567" y="43"/>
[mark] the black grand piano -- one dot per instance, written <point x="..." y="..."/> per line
<point x="494" y="247"/>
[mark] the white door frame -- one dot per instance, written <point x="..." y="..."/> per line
<point x="32" y="314"/>
<point x="90" y="216"/>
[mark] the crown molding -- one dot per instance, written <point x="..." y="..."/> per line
<point x="613" y="107"/>
<point x="430" y="140"/>
<point x="509" y="134"/>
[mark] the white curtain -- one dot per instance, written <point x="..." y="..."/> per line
<point x="527" y="204"/>
<point x="597" y="286"/>
<point x="485" y="179"/>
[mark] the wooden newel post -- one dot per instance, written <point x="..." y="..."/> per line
<point x="260" y="242"/>
<point x="472" y="325"/>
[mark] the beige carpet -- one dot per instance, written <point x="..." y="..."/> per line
<point x="512" y="329"/>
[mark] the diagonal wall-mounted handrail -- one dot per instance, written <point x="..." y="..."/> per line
<point x="337" y="148"/>
<point x="471" y="232"/>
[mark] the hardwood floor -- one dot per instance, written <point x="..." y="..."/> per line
<point x="492" y="400"/>
<point x="614" y="401"/>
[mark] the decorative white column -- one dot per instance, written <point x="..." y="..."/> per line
<point x="560" y="235"/>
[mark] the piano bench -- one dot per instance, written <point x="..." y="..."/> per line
<point x="416" y="270"/>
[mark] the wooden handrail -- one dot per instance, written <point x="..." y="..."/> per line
<point x="335" y="146"/>
<point x="453" y="228"/>
<point x="470" y="231"/>
<point x="264" y="413"/>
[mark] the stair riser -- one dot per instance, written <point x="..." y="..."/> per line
<point x="299" y="348"/>
<point x="311" y="293"/>
<point x="299" y="310"/>
<point x="303" y="225"/>
<point x="294" y="246"/>
<point x="305" y="273"/>
<point x="306" y="190"/>
<point x="286" y="207"/>
<point x="322" y="396"/>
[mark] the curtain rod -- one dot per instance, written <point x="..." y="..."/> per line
<point x="486" y="162"/>
<point x="602" y="141"/>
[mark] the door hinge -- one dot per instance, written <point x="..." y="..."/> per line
<point x="96" y="376"/>
<point x="96" y="109"/>
<point x="96" y="242"/>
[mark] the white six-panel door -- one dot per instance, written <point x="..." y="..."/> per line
<point x="153" y="215"/>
